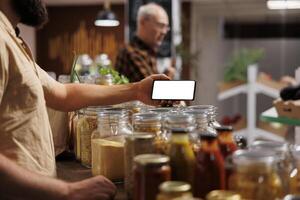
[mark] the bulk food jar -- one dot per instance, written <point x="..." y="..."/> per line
<point x="150" y="171"/>
<point x="283" y="157"/>
<point x="150" y="123"/>
<point x="255" y="175"/>
<point x="85" y="126"/>
<point x="172" y="190"/>
<point x="76" y="133"/>
<point x="179" y="127"/>
<point x="210" y="111"/>
<point x="108" y="143"/>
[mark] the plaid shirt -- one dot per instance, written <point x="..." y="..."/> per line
<point x="136" y="60"/>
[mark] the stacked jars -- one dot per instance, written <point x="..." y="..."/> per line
<point x="150" y="123"/>
<point x="108" y="142"/>
<point x="210" y="111"/>
<point x="255" y="175"/>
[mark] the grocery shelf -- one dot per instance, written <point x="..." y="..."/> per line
<point x="251" y="89"/>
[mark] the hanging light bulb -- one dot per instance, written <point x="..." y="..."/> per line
<point x="106" y="18"/>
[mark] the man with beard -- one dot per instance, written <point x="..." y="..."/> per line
<point x="138" y="59"/>
<point x="26" y="145"/>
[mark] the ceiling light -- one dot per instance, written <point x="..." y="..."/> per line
<point x="106" y="18"/>
<point x="283" y="4"/>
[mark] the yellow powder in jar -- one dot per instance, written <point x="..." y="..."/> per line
<point x="108" y="158"/>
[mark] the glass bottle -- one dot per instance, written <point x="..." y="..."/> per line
<point x="76" y="133"/>
<point x="255" y="175"/>
<point x="104" y="80"/>
<point x="171" y="190"/>
<point x="149" y="172"/>
<point x="210" y="167"/>
<point x="108" y="142"/>
<point x="226" y="140"/>
<point x="178" y="128"/>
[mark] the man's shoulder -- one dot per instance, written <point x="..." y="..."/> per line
<point x="133" y="50"/>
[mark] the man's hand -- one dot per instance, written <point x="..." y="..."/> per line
<point x="170" y="72"/>
<point x="144" y="88"/>
<point x="96" y="188"/>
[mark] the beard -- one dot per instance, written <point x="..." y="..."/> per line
<point x="31" y="12"/>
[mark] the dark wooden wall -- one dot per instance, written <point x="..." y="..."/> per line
<point x="71" y="29"/>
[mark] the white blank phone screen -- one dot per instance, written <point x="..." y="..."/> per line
<point x="173" y="90"/>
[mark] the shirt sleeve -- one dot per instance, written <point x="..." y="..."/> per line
<point x="47" y="81"/>
<point x="4" y="63"/>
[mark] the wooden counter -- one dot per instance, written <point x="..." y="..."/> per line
<point x="72" y="171"/>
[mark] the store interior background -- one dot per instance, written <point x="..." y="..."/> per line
<point x="203" y="34"/>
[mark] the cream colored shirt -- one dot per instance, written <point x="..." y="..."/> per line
<point x="25" y="133"/>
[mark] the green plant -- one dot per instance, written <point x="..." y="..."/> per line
<point x="236" y="70"/>
<point x="117" y="78"/>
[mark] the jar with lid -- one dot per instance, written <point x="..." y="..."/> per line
<point x="210" y="167"/>
<point x="172" y="190"/>
<point x="179" y="128"/>
<point x="108" y="142"/>
<point x="283" y="158"/>
<point x="85" y="126"/>
<point x="150" y="123"/>
<point x="255" y="175"/>
<point x="135" y="144"/>
<point x="223" y="195"/>
<point x="150" y="171"/>
<point x="210" y="111"/>
<point x="161" y="111"/>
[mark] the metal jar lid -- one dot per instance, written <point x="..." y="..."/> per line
<point x="174" y="187"/>
<point x="139" y="137"/>
<point x="151" y="159"/>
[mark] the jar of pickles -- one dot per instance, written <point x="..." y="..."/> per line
<point x="172" y="190"/>
<point x="283" y="158"/>
<point x="135" y="144"/>
<point x="255" y="175"/>
<point x="149" y="172"/>
<point x="108" y="142"/>
<point x="85" y="126"/>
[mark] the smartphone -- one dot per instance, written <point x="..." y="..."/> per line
<point x="174" y="90"/>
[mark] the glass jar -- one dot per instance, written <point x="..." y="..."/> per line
<point x="150" y="123"/>
<point x="135" y="144"/>
<point x="209" y="164"/>
<point x="108" y="142"/>
<point x="172" y="190"/>
<point x="283" y="158"/>
<point x="85" y="126"/>
<point x="255" y="175"/>
<point x="104" y="80"/>
<point x="223" y="195"/>
<point x="210" y="111"/>
<point x="149" y="172"/>
<point x="161" y="111"/>
<point x="294" y="181"/>
<point x="76" y="133"/>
